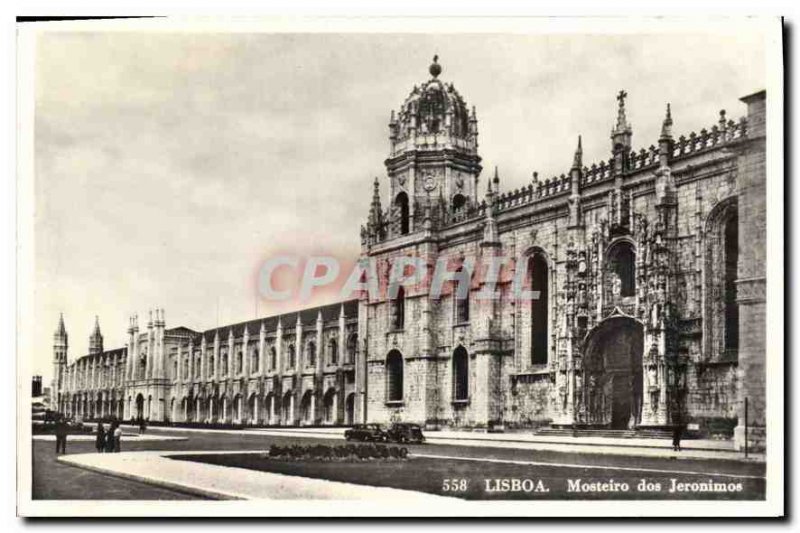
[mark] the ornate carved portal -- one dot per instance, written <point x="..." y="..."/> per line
<point x="610" y="394"/>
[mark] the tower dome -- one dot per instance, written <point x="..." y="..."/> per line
<point x="433" y="156"/>
<point x="434" y="115"/>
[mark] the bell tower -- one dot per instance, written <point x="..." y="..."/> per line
<point x="433" y="152"/>
<point x="96" y="339"/>
<point x="60" y="346"/>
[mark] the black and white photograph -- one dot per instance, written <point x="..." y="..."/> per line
<point x="387" y="267"/>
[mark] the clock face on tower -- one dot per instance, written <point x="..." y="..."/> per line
<point x="429" y="183"/>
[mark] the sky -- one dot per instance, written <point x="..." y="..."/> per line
<point x="169" y="166"/>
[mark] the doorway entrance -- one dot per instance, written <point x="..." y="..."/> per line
<point x="611" y="392"/>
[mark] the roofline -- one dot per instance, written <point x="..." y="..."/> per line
<point x="758" y="95"/>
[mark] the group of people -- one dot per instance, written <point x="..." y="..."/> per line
<point x="108" y="441"/>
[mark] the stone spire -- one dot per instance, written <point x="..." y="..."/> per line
<point x="621" y="134"/>
<point x="61" y="331"/>
<point x="96" y="339"/>
<point x="666" y="127"/>
<point x="490" y="232"/>
<point x="375" y="209"/>
<point x="577" y="161"/>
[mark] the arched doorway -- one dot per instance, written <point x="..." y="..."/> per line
<point x="329" y="406"/>
<point x="306" y="412"/>
<point x="611" y="391"/>
<point x="350" y="409"/>
<point x="139" y="406"/>
<point x="288" y="408"/>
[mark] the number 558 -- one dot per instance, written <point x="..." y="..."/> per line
<point x="454" y="485"/>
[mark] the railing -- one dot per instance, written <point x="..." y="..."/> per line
<point x="722" y="133"/>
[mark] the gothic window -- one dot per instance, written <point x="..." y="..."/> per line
<point x="731" y="268"/>
<point x="290" y="361"/>
<point x="461" y="303"/>
<point x="175" y="369"/>
<point x="311" y="354"/>
<point x="398" y="309"/>
<point x="352" y="346"/>
<point x="197" y="365"/>
<point x="722" y="256"/>
<point x="211" y="364"/>
<point x="273" y="358"/>
<point x="460" y="375"/>
<point x="394" y="377"/>
<point x="333" y="351"/>
<point x="223" y="361"/>
<point x="254" y="362"/>
<point x="239" y="362"/>
<point x="401" y="210"/>
<point x="538" y="273"/>
<point x="621" y="269"/>
<point x="459" y="206"/>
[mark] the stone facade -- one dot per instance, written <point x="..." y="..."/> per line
<point x="652" y="307"/>
<point x="649" y="268"/>
<point x="247" y="373"/>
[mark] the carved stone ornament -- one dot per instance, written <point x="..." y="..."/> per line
<point x="429" y="183"/>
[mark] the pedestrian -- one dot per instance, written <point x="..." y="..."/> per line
<point x="142" y="426"/>
<point x="117" y="438"/>
<point x="100" y="440"/>
<point x="677" y="430"/>
<point x="61" y="437"/>
<point x="110" y="438"/>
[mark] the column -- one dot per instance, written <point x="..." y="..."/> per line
<point x="190" y="377"/>
<point x="246" y="353"/>
<point x="261" y="350"/>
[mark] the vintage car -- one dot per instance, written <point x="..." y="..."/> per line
<point x="364" y="432"/>
<point x="403" y="432"/>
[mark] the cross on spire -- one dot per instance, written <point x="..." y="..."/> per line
<point x="621" y="97"/>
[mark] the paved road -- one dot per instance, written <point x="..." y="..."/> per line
<point x="52" y="480"/>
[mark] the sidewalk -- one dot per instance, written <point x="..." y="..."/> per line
<point x="227" y="483"/>
<point x="126" y="438"/>
<point x="691" y="449"/>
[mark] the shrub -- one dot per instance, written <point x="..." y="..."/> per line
<point x="347" y="452"/>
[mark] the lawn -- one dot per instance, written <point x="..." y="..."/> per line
<point x="479" y="480"/>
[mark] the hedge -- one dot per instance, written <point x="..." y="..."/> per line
<point x="322" y="452"/>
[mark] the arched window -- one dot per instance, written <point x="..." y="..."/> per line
<point x="352" y="347"/>
<point x="399" y="309"/>
<point x="333" y="351"/>
<point x="223" y="362"/>
<point x="460" y="375"/>
<point x="290" y="361"/>
<point x="621" y="266"/>
<point x="402" y="214"/>
<point x="459" y="206"/>
<point x="211" y="364"/>
<point x="721" y="320"/>
<point x="239" y="362"/>
<point x="539" y="274"/>
<point x="731" y="274"/>
<point x="254" y="359"/>
<point x="273" y="358"/>
<point x="461" y="301"/>
<point x="311" y="354"/>
<point x="394" y="377"/>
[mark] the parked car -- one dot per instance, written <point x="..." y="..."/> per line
<point x="371" y="432"/>
<point x="403" y="432"/>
